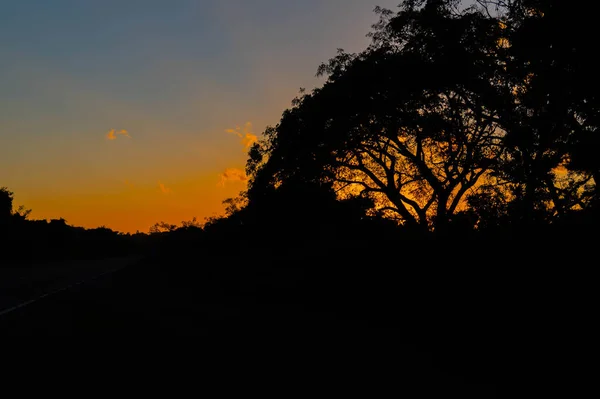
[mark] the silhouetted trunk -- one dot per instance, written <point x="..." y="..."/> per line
<point x="410" y="220"/>
<point x="558" y="203"/>
<point x="531" y="185"/>
<point x="441" y="217"/>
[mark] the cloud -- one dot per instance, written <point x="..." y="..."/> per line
<point x="164" y="189"/>
<point x="124" y="133"/>
<point x="245" y="133"/>
<point x="248" y="140"/>
<point x="111" y="135"/>
<point x="232" y="174"/>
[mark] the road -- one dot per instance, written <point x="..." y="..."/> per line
<point x="225" y="300"/>
<point x="23" y="284"/>
<point x="129" y="297"/>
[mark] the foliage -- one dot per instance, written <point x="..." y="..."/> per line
<point x="6" y="205"/>
<point x="451" y="110"/>
<point x="7" y="212"/>
<point x="162" y="227"/>
<point x="23" y="239"/>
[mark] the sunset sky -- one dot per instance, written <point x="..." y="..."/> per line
<point x="123" y="113"/>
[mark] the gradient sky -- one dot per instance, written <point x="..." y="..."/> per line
<point x="175" y="75"/>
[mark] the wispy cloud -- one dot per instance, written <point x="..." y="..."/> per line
<point x="232" y="174"/>
<point x="245" y="134"/>
<point x="112" y="134"/>
<point x="164" y="189"/>
<point x="124" y="133"/>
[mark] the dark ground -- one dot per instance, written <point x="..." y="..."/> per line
<point x="456" y="330"/>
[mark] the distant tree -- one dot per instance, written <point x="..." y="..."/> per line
<point x="7" y="211"/>
<point x="6" y="205"/>
<point x="188" y="224"/>
<point x="56" y="239"/>
<point x="162" y="227"/>
<point x="58" y="223"/>
<point x="22" y="213"/>
<point x="212" y="220"/>
<point x="235" y="204"/>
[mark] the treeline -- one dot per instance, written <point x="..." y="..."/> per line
<point x="23" y="240"/>
<point x="461" y="121"/>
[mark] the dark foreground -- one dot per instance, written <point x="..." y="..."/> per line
<point x="450" y="333"/>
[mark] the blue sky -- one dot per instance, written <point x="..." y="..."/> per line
<point x="174" y="74"/>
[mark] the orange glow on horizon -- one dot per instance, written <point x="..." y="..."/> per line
<point x="135" y="207"/>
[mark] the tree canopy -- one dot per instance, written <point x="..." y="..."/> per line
<point x="452" y="113"/>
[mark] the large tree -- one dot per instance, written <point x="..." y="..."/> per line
<point x="446" y="108"/>
<point x="552" y="123"/>
<point x="405" y="122"/>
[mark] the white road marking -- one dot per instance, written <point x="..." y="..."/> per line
<point x="46" y="295"/>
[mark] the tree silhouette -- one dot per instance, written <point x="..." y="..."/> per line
<point x="55" y="239"/>
<point x="6" y="205"/>
<point x="162" y="227"/>
<point x="234" y="205"/>
<point x="7" y="212"/>
<point x="551" y="122"/>
<point x="449" y="110"/>
<point x="402" y="123"/>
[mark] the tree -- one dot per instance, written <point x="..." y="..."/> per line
<point x="406" y="123"/>
<point x="162" y="227"/>
<point x="7" y="212"/>
<point x="191" y="224"/>
<point x="6" y="205"/>
<point x="552" y="122"/>
<point x="235" y="204"/>
<point x="449" y="106"/>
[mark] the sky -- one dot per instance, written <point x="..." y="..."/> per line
<point x="123" y="113"/>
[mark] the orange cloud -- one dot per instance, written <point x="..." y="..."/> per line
<point x="111" y="135"/>
<point x="232" y="174"/>
<point x="248" y="138"/>
<point x="124" y="133"/>
<point x="164" y="189"/>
